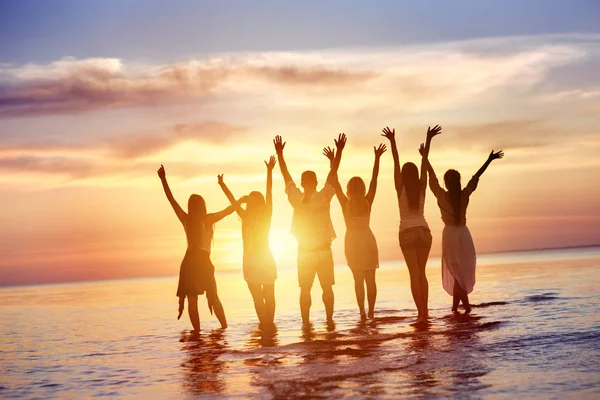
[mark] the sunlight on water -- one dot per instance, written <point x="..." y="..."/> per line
<point x="534" y="331"/>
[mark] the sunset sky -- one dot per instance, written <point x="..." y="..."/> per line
<point x="95" y="95"/>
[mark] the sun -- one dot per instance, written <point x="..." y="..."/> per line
<point x="283" y="244"/>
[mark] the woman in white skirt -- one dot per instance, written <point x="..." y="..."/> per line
<point x="458" y="251"/>
<point x="259" y="267"/>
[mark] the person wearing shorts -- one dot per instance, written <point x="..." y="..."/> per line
<point x="312" y="228"/>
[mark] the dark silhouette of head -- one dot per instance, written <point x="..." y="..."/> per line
<point x="196" y="206"/>
<point x="356" y="191"/>
<point x="452" y="182"/>
<point x="256" y="203"/>
<point x="412" y="186"/>
<point x="309" y="181"/>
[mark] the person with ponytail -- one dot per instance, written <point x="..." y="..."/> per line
<point x="259" y="267"/>
<point x="458" y="251"/>
<point x="197" y="273"/>
<point x="414" y="234"/>
<point x="360" y="245"/>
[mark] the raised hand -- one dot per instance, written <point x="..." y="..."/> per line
<point x="161" y="172"/>
<point x="495" y="156"/>
<point x="279" y="144"/>
<point x="341" y="141"/>
<point x="243" y="199"/>
<point x="379" y="150"/>
<point x="329" y="153"/>
<point x="389" y="133"/>
<point x="220" y="179"/>
<point x="433" y="132"/>
<point x="271" y="164"/>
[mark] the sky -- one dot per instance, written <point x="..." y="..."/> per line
<point x="95" y="95"/>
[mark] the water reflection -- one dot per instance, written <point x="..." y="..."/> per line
<point x="263" y="337"/>
<point x="202" y="368"/>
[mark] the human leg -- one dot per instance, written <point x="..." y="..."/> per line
<point x="359" y="290"/>
<point x="259" y="304"/>
<point x="410" y="257"/>
<point x="269" y="296"/>
<point x="371" y="291"/>
<point x="193" y="312"/>
<point x="422" y="256"/>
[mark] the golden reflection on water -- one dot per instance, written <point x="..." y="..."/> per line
<point x="202" y="366"/>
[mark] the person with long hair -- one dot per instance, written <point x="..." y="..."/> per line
<point x="259" y="267"/>
<point x="458" y="251"/>
<point x="312" y="227"/>
<point x="360" y="245"/>
<point x="414" y="234"/>
<point x="197" y="273"/>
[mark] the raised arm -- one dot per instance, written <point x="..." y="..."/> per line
<point x="279" y="146"/>
<point x="176" y="207"/>
<point x="391" y="135"/>
<point x="268" y="194"/>
<point x="434" y="184"/>
<point x="340" y="143"/>
<point x="493" y="156"/>
<point x="339" y="192"/>
<point x="430" y="134"/>
<point x="234" y="203"/>
<point x="373" y="185"/>
<point x="213" y="218"/>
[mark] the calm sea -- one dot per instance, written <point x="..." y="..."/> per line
<point x="534" y="333"/>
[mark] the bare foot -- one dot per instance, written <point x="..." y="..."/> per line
<point x="371" y="314"/>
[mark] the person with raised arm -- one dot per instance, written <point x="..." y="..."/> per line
<point x="312" y="227"/>
<point x="197" y="273"/>
<point x="259" y="267"/>
<point x="360" y="245"/>
<point x="458" y="251"/>
<point x="414" y="235"/>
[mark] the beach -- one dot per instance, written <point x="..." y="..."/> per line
<point x="534" y="332"/>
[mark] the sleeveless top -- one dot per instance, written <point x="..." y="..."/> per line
<point x="410" y="218"/>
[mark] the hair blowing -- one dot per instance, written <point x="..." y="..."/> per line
<point x="452" y="182"/>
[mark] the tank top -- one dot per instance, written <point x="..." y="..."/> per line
<point x="410" y="218"/>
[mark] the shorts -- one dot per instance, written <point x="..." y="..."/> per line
<point x="418" y="237"/>
<point x="315" y="262"/>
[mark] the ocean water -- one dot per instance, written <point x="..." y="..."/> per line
<point x="534" y="332"/>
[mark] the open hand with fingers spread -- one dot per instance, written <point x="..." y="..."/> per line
<point x="379" y="150"/>
<point x="279" y="144"/>
<point x="431" y="132"/>
<point x="495" y="156"/>
<point x="329" y="153"/>
<point x="271" y="164"/>
<point x="389" y="133"/>
<point x="422" y="149"/>
<point x="161" y="172"/>
<point x="341" y="141"/>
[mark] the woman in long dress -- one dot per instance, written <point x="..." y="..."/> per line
<point x="360" y="245"/>
<point x="414" y="235"/>
<point x="259" y="267"/>
<point x="458" y="251"/>
<point x="197" y="273"/>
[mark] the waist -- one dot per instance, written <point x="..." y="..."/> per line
<point x="407" y="223"/>
<point x="313" y="247"/>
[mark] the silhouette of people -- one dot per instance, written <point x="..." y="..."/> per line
<point x="197" y="273"/>
<point x="312" y="227"/>
<point x="258" y="263"/>
<point x="414" y="235"/>
<point x="360" y="245"/>
<point x="458" y="252"/>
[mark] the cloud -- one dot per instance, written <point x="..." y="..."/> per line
<point x="73" y="86"/>
<point x="134" y="146"/>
